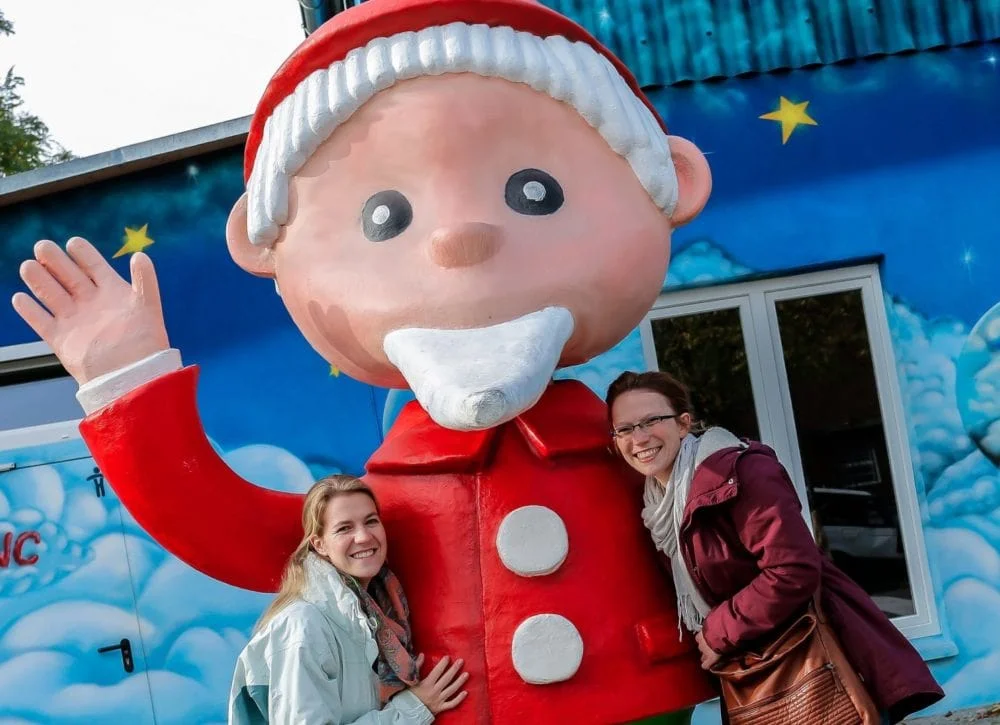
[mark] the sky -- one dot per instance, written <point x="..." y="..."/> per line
<point x="108" y="73"/>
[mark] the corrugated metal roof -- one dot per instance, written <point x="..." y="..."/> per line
<point x="671" y="41"/>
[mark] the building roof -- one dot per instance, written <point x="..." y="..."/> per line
<point x="673" y="41"/>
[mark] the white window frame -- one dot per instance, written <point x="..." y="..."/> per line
<point x="755" y="301"/>
<point x="24" y="351"/>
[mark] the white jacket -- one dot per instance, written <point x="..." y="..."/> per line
<point x="311" y="664"/>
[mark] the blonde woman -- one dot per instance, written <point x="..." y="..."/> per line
<point x="334" y="646"/>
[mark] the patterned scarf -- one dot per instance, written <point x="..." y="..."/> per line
<point x="383" y="600"/>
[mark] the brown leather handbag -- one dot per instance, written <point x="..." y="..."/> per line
<point x="802" y="677"/>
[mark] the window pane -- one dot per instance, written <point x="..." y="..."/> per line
<point x="707" y="353"/>
<point x="35" y="392"/>
<point x="842" y="442"/>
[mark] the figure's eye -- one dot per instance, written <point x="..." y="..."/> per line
<point x="385" y="215"/>
<point x="532" y="191"/>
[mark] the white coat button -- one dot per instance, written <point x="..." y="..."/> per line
<point x="532" y="541"/>
<point x="547" y="648"/>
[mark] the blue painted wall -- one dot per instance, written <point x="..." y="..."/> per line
<point x="904" y="161"/>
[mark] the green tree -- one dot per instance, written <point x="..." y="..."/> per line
<point x="25" y="142"/>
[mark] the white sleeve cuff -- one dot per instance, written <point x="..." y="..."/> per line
<point x="106" y="389"/>
<point x="412" y="709"/>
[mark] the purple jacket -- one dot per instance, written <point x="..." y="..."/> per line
<point x="757" y="565"/>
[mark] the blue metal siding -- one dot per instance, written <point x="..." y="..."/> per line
<point x="671" y="41"/>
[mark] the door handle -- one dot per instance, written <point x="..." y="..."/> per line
<point x="126" y="647"/>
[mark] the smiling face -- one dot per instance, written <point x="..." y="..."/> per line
<point x="459" y="201"/>
<point x="353" y="538"/>
<point x="651" y="449"/>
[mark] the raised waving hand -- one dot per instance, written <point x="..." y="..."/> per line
<point x="94" y="321"/>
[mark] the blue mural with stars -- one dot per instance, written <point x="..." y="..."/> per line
<point x="897" y="158"/>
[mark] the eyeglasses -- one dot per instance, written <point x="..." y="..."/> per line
<point x="625" y="431"/>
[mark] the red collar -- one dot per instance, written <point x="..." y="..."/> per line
<point x="567" y="419"/>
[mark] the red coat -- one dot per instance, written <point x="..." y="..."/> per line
<point x="756" y="563"/>
<point x="444" y="496"/>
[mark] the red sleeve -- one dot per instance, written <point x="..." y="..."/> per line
<point x="151" y="448"/>
<point x="768" y="517"/>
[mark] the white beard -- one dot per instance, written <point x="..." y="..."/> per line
<point x="480" y="378"/>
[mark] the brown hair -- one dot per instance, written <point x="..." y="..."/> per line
<point x="293" y="579"/>
<point x="658" y="382"/>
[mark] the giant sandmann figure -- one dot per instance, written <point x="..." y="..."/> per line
<point x="457" y="196"/>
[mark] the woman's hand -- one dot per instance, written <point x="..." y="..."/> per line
<point x="437" y="690"/>
<point x="709" y="657"/>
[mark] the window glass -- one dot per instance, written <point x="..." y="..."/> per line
<point x="36" y="391"/>
<point x="838" y="421"/>
<point x="706" y="351"/>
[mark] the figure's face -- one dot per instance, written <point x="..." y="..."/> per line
<point x="353" y="538"/>
<point x="457" y="202"/>
<point x="650" y="448"/>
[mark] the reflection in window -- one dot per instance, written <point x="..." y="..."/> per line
<point x="842" y="443"/>
<point x="706" y="352"/>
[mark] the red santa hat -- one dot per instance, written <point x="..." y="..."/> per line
<point x="369" y="47"/>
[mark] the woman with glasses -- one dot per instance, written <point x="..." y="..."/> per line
<point x="727" y="518"/>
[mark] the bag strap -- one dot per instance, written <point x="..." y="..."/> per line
<point x="817" y="604"/>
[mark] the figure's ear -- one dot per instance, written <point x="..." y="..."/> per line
<point x="694" y="180"/>
<point x="253" y="258"/>
<point x="317" y="545"/>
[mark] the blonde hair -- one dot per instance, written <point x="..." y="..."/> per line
<point x="293" y="579"/>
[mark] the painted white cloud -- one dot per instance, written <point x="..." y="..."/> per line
<point x="36" y="487"/>
<point x="125" y="701"/>
<point x="29" y="680"/>
<point x="974" y="682"/>
<point x="177" y="597"/>
<point x="968" y="559"/>
<point x="964" y="554"/>
<point x="969" y="486"/>
<point x="85" y="515"/>
<point x="967" y="601"/>
<point x="703" y="261"/>
<point x="57" y="554"/>
<point x="271" y="467"/>
<point x="978" y="387"/>
<point x="206" y="656"/>
<point x="79" y="626"/>
<point x="193" y="627"/>
<point x="108" y="577"/>
<point x="926" y="352"/>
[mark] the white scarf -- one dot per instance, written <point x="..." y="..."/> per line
<point x="663" y="514"/>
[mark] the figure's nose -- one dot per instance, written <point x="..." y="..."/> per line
<point x="463" y="245"/>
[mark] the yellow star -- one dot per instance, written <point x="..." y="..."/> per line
<point x="334" y="371"/>
<point x="135" y="241"/>
<point x="791" y="115"/>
